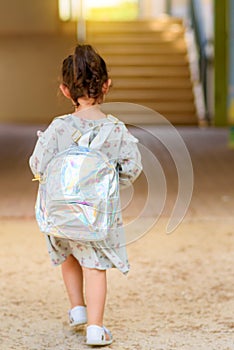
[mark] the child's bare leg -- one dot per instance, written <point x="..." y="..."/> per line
<point x="95" y="289"/>
<point x="73" y="279"/>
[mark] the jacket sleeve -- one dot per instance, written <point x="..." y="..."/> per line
<point x="129" y="161"/>
<point x="45" y="149"/>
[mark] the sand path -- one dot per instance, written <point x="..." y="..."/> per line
<point x="179" y="294"/>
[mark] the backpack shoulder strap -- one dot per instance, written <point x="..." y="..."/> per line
<point x="104" y="132"/>
<point x="113" y="119"/>
<point x="75" y="133"/>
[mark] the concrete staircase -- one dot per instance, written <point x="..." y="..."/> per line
<point x="148" y="64"/>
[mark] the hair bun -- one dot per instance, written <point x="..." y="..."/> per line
<point x="84" y="73"/>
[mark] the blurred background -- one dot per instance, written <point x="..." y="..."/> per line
<point x="173" y="56"/>
<point x="160" y="54"/>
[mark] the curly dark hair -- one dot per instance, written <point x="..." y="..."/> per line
<point x="84" y="73"/>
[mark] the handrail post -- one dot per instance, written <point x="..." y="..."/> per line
<point x="200" y="35"/>
<point x="81" y="22"/>
<point x="168" y="7"/>
<point x="221" y="83"/>
<point x="231" y="63"/>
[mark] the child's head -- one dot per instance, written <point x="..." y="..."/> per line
<point x="84" y="75"/>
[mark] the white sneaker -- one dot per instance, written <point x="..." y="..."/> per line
<point x="78" y="316"/>
<point x="96" y="336"/>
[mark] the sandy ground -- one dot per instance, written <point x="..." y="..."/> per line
<point x="179" y="294"/>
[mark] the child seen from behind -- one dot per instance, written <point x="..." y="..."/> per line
<point x="85" y="83"/>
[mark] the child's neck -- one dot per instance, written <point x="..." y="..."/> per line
<point x="88" y="111"/>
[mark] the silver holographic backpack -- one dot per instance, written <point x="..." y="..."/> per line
<point x="78" y="196"/>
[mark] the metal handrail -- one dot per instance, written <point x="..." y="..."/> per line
<point x="197" y="23"/>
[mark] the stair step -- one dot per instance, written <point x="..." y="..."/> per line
<point x="137" y="49"/>
<point x="164" y="33"/>
<point x="174" y="118"/>
<point x="174" y="24"/>
<point x="135" y="37"/>
<point x="149" y="71"/>
<point x="151" y="83"/>
<point x="141" y="60"/>
<point x="139" y="40"/>
<point x="165" y="107"/>
<point x="149" y="66"/>
<point x="138" y="114"/>
<point x="151" y="95"/>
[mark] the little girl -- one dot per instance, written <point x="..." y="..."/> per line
<point x="85" y="83"/>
